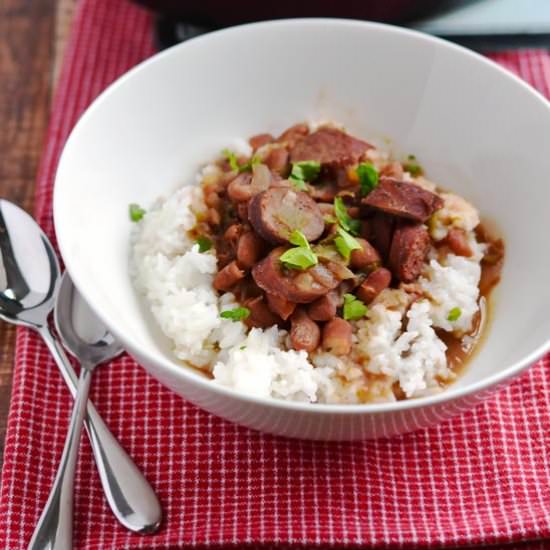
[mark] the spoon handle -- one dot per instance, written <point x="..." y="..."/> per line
<point x="131" y="498"/>
<point x="54" y="530"/>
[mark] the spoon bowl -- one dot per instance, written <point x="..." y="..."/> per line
<point x="29" y="270"/>
<point x="81" y="332"/>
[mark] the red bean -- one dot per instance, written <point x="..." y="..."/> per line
<point x="228" y="276"/>
<point x="277" y="160"/>
<point x="260" y="139"/>
<point x="458" y="242"/>
<point x="367" y="255"/>
<point x="260" y="315"/>
<point x="374" y="284"/>
<point x="324" y="308"/>
<point x="304" y="333"/>
<point x="281" y="306"/>
<point x="337" y="337"/>
<point x="240" y="190"/>
<point x="249" y="249"/>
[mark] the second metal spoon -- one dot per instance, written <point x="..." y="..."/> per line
<point x="92" y="344"/>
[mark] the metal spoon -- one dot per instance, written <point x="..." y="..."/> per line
<point x="73" y="318"/>
<point x="29" y="277"/>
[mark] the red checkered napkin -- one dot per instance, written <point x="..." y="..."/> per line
<point x="481" y="478"/>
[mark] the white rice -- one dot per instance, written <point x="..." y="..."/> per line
<point x="396" y="343"/>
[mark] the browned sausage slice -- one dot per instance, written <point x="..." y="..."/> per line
<point x="366" y="256"/>
<point x="296" y="286"/>
<point x="324" y="308"/>
<point x="228" y="276"/>
<point x="329" y="146"/>
<point x="280" y="306"/>
<point x="304" y="333"/>
<point x="409" y="248"/>
<point x="337" y="337"/>
<point x="374" y="284"/>
<point x="403" y="199"/>
<point x="378" y="230"/>
<point x="277" y="212"/>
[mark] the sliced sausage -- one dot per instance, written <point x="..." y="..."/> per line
<point x="277" y="160"/>
<point x="403" y="199"/>
<point x="374" y="284"/>
<point x="260" y="139"/>
<point x="260" y="315"/>
<point x="329" y="146"/>
<point x="366" y="256"/>
<point x="250" y="249"/>
<point x="458" y="242"/>
<point x="304" y="333"/>
<point x="228" y="276"/>
<point x="337" y="337"/>
<point x="293" y="134"/>
<point x="280" y="306"/>
<point x="296" y="286"/>
<point x="277" y="212"/>
<point x="409" y="248"/>
<point x="324" y="308"/>
<point x="327" y="209"/>
<point x="378" y="230"/>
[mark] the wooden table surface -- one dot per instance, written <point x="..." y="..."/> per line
<point x="32" y="38"/>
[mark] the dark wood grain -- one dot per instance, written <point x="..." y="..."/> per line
<point x="27" y="49"/>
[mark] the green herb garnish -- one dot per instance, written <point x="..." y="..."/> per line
<point x="234" y="163"/>
<point x="353" y="308"/>
<point x="300" y="185"/>
<point x="368" y="177"/>
<point x="247" y="166"/>
<point x="299" y="239"/>
<point x="136" y="212"/>
<point x="345" y="220"/>
<point x="305" y="170"/>
<point x="345" y="243"/>
<point x="412" y="166"/>
<point x="235" y="314"/>
<point x="231" y="158"/>
<point x="454" y="314"/>
<point x="300" y="257"/>
<point x="204" y="243"/>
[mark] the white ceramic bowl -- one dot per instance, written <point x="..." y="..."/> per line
<point x="477" y="129"/>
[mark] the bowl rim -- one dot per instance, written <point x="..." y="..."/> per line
<point x="449" y="394"/>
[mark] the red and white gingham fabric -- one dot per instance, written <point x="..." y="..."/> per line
<point x="481" y="478"/>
